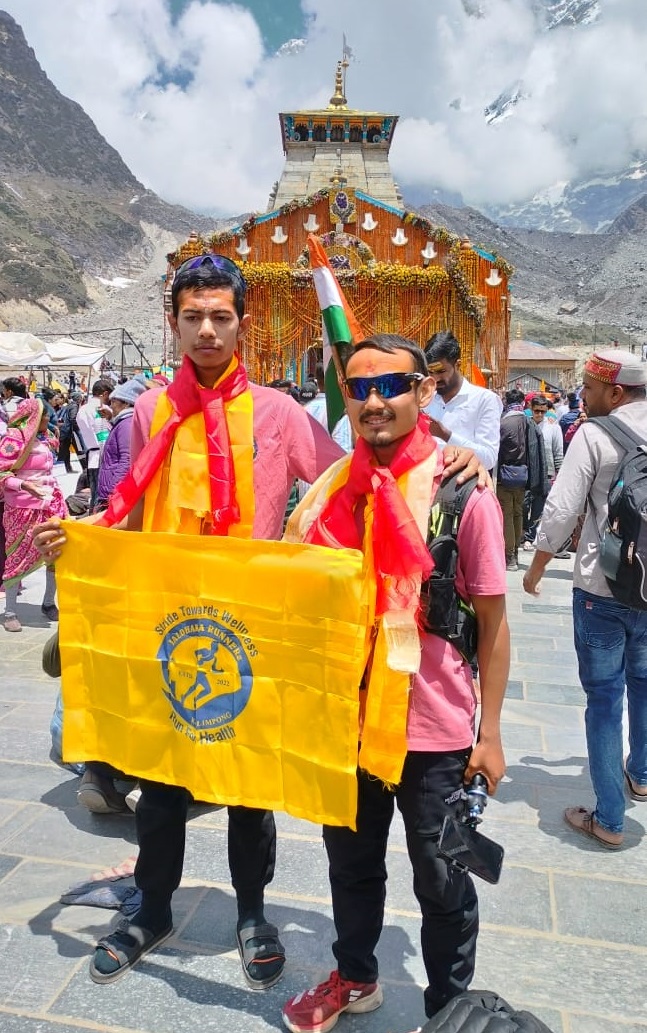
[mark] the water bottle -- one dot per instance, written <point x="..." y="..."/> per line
<point x="101" y="432"/>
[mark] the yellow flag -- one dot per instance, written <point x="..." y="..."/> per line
<point x="227" y="666"/>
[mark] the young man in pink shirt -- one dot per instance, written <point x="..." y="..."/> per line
<point x="387" y="386"/>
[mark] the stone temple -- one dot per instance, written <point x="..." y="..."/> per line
<point x="400" y="272"/>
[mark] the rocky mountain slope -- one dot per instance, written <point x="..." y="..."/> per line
<point x="599" y="278"/>
<point x="69" y="206"/>
<point x="83" y="243"/>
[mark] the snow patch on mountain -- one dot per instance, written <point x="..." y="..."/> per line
<point x="505" y="103"/>
<point x="586" y="206"/>
<point x="292" y="46"/>
<point x="572" y="12"/>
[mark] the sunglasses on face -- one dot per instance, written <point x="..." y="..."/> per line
<point x="387" y="385"/>
<point x="225" y="265"/>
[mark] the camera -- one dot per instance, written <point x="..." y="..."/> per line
<point x="461" y="846"/>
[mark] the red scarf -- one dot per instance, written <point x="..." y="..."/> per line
<point x="188" y="398"/>
<point x="399" y="549"/>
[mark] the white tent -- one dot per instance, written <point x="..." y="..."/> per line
<point x="22" y="349"/>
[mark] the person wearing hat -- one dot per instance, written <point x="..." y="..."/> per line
<point x="115" y="458"/>
<point x="610" y="637"/>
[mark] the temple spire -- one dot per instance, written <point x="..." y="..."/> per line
<point x="338" y="99"/>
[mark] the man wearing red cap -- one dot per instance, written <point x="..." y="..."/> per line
<point x="610" y="637"/>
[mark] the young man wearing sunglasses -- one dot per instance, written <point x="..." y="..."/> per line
<point x="380" y="499"/>
<point x="260" y="441"/>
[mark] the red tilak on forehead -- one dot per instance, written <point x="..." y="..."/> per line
<point x="604" y="370"/>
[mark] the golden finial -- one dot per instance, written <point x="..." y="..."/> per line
<point x="338" y="100"/>
<point x="518" y="335"/>
<point x="194" y="246"/>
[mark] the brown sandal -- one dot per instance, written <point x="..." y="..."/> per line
<point x="639" y="793"/>
<point x="581" y="820"/>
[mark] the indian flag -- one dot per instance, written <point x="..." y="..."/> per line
<point x="340" y="327"/>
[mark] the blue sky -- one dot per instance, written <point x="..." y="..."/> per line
<point x="278" y="20"/>
<point x="188" y="91"/>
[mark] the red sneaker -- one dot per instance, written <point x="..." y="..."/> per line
<point x="317" y="1010"/>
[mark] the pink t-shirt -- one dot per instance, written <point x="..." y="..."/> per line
<point x="288" y="444"/>
<point x="442" y="702"/>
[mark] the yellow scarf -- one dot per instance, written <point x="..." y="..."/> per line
<point x="384" y="729"/>
<point x="178" y="498"/>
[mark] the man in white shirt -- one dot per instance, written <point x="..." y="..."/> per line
<point x="94" y="429"/>
<point x="461" y="413"/>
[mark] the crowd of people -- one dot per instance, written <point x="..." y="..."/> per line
<point x="40" y="428"/>
<point x="412" y="420"/>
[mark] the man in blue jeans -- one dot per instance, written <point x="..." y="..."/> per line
<point x="610" y="638"/>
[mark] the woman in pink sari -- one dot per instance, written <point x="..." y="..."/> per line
<point x="31" y="496"/>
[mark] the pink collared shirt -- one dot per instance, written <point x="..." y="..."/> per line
<point x="288" y="444"/>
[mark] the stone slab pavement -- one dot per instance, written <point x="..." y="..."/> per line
<point x="564" y="934"/>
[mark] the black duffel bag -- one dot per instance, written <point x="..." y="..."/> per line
<point x="481" y="1011"/>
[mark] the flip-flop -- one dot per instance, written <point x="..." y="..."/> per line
<point x="633" y="793"/>
<point x="581" y="820"/>
<point x="126" y="944"/>
<point x="260" y="945"/>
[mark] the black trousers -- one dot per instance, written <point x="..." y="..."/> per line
<point x="161" y="833"/>
<point x="533" y="509"/>
<point x="447" y="897"/>
<point x="64" y="453"/>
<point x="93" y="485"/>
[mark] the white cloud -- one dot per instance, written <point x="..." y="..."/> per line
<point x="210" y="94"/>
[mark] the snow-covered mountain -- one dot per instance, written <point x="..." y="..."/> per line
<point x="591" y="203"/>
<point x="551" y="14"/>
<point x="569" y="12"/>
<point x="586" y="206"/>
<point x="292" y="46"/>
<point x="505" y="103"/>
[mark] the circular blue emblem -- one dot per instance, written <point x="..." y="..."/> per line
<point x="207" y="672"/>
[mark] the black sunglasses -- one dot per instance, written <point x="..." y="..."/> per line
<point x="387" y="385"/>
<point x="225" y="265"/>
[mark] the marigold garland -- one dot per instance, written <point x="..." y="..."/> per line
<point x="499" y="263"/>
<point x="436" y="233"/>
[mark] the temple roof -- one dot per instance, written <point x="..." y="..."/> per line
<point x="531" y="351"/>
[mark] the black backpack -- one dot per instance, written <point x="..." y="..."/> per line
<point x="442" y="611"/>
<point x="623" y="544"/>
<point x="482" y="1011"/>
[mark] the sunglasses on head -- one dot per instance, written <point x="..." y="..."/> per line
<point x="387" y="385"/>
<point x="225" y="265"/>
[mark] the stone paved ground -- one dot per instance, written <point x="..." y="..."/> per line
<point x="564" y="934"/>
